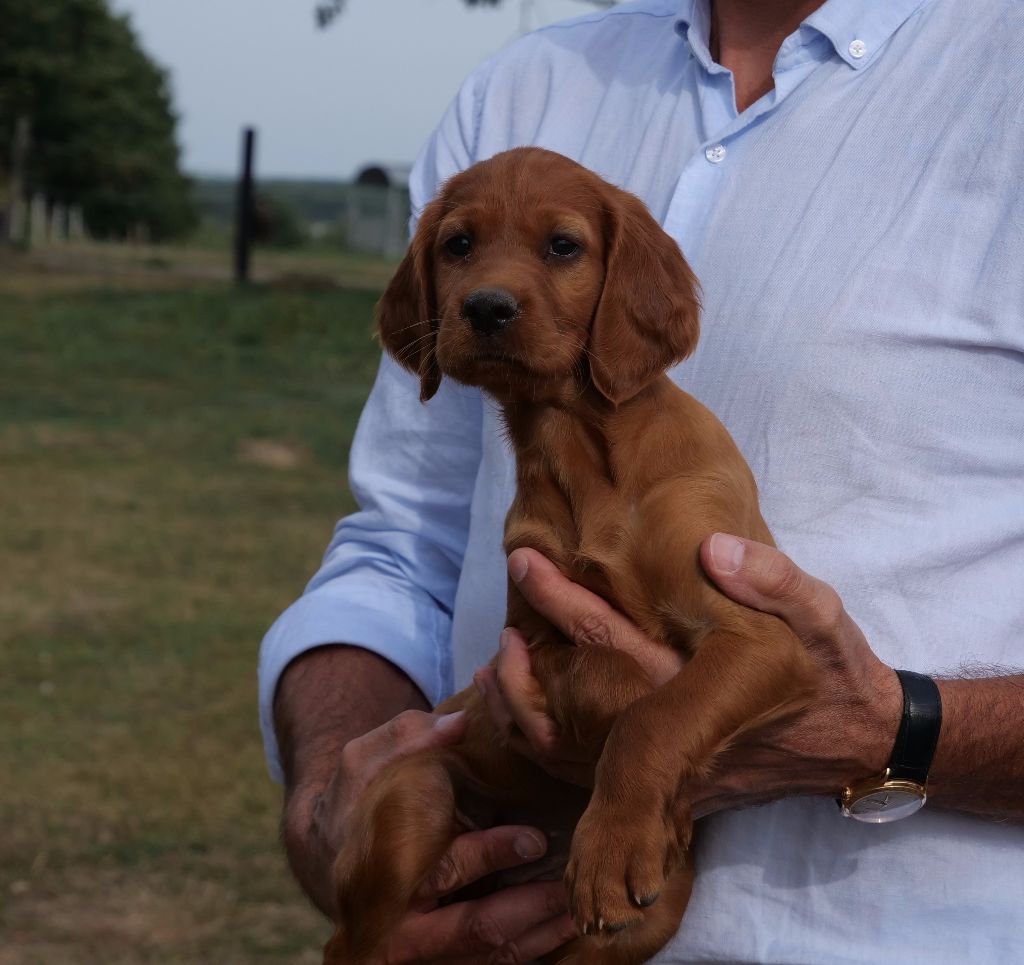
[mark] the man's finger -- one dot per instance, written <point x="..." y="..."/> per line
<point x="760" y="576"/>
<point x="473" y="927"/>
<point x="520" y="694"/>
<point x="537" y="739"/>
<point x="486" y="680"/>
<point x="544" y="938"/>
<point x="478" y="853"/>
<point x="584" y="617"/>
<point x="528" y="947"/>
<point x="409" y="732"/>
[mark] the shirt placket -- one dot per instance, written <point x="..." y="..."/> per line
<point x="706" y="171"/>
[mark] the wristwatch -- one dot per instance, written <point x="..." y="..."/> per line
<point x="902" y="788"/>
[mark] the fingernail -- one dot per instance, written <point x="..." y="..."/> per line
<point x="517" y="567"/>
<point x="447" y="722"/>
<point x="503" y="640"/>
<point x="727" y="553"/>
<point x="529" y="847"/>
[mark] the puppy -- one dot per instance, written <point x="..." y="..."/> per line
<point x="560" y="296"/>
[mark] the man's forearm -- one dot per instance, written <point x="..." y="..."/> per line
<point x="979" y="761"/>
<point x="328" y="696"/>
<point x="325" y="698"/>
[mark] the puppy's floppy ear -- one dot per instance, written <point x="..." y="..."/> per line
<point x="407" y="312"/>
<point x="648" y="317"/>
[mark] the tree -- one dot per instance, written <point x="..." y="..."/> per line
<point x="102" y="120"/>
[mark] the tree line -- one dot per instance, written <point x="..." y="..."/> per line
<point x="101" y="121"/>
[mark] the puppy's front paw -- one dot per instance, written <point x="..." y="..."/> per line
<point x="618" y="865"/>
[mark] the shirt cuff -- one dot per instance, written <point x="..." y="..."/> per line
<point x="412" y="634"/>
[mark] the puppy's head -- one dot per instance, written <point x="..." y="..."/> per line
<point x="530" y="276"/>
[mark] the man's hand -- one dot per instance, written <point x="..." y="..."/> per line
<point x="848" y="731"/>
<point x="846" y="734"/>
<point x="525" y="921"/>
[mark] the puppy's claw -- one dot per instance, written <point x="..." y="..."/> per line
<point x="645" y="901"/>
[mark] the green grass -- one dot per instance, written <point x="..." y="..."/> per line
<point x="172" y="463"/>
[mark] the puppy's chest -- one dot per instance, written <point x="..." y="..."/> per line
<point x="586" y="526"/>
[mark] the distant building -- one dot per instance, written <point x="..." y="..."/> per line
<point x="377" y="215"/>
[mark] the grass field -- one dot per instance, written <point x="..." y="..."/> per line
<point x="171" y="463"/>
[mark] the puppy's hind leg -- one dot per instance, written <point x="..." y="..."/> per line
<point x="398" y="833"/>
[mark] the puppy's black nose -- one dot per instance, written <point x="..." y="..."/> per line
<point x="489" y="310"/>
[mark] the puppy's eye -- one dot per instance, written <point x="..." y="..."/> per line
<point x="459" y="246"/>
<point x="563" y="247"/>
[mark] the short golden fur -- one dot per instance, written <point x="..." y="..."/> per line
<point x="620" y="477"/>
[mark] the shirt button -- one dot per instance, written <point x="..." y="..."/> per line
<point x="715" y="154"/>
<point x="858" y="49"/>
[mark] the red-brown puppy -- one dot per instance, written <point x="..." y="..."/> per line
<point x="560" y="296"/>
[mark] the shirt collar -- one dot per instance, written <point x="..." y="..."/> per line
<point x="694" y="25"/>
<point x="856" y="29"/>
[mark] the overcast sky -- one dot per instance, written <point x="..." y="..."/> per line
<point x="369" y="88"/>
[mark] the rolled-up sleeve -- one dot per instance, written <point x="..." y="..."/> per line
<point x="389" y="576"/>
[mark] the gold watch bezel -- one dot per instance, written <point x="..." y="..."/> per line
<point x="851" y="794"/>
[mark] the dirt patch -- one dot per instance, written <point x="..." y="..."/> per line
<point x="272" y="453"/>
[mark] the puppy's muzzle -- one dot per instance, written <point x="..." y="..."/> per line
<point x="489" y="310"/>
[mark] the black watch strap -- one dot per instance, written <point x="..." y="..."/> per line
<point x="919" y="729"/>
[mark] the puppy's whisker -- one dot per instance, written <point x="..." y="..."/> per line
<point x="432" y="323"/>
<point x="418" y="340"/>
<point x="405" y="328"/>
<point x="409" y="350"/>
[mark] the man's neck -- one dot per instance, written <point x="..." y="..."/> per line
<point x="746" y="36"/>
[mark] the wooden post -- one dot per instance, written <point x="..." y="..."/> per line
<point x="244" y="210"/>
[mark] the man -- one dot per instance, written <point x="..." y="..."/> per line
<point x="847" y="180"/>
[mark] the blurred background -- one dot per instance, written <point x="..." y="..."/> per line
<point x="183" y="356"/>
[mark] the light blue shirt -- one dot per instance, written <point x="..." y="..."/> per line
<point x="859" y="235"/>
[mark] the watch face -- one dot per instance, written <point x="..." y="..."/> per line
<point x="886" y="804"/>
